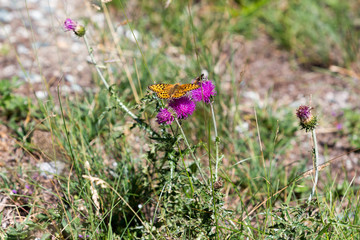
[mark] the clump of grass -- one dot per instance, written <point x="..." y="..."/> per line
<point x="130" y="176"/>
<point x="318" y="33"/>
<point x="352" y="126"/>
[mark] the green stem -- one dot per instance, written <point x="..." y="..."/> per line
<point x="141" y="123"/>
<point x="94" y="62"/>
<point x="191" y="151"/>
<point x="187" y="172"/>
<point x="216" y="141"/>
<point x="315" y="163"/>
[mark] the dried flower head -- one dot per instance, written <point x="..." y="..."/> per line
<point x="164" y="116"/>
<point x="183" y="107"/>
<point x="307" y="120"/>
<point x="205" y="92"/>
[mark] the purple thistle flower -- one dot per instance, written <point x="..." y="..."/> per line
<point x="14" y="191"/>
<point x="304" y="113"/>
<point x="204" y="92"/>
<point x="70" y="25"/>
<point x="307" y="120"/>
<point x="164" y="116"/>
<point x="183" y="107"/>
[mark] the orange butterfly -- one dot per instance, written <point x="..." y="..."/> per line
<point x="169" y="91"/>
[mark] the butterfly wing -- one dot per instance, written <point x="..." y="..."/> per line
<point x="178" y="94"/>
<point x="163" y="95"/>
<point x="161" y="90"/>
<point x="189" y="87"/>
<point x="184" y="88"/>
<point x="160" y="87"/>
<point x="167" y="91"/>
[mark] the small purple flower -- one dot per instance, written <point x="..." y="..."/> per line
<point x="27" y="186"/>
<point x="307" y="120"/>
<point x="205" y="92"/>
<point x="164" y="116"/>
<point x="81" y="236"/>
<point x="87" y="236"/>
<point x="304" y="113"/>
<point x="339" y="126"/>
<point x="14" y="191"/>
<point x="183" y="107"/>
<point x="70" y="25"/>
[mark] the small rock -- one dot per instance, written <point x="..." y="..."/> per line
<point x="21" y="49"/>
<point x="76" y="88"/>
<point x="36" y="15"/>
<point x="6" y="16"/>
<point x="31" y="78"/>
<point x="252" y="95"/>
<point x="70" y="78"/>
<point x="80" y="67"/>
<point x="65" y="89"/>
<point x="41" y="94"/>
<point x="49" y="168"/>
<point x="348" y="164"/>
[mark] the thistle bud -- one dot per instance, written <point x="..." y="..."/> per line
<point x="307" y="120"/>
<point x="80" y="30"/>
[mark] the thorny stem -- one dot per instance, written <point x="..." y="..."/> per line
<point x="172" y="167"/>
<point x="216" y="141"/>
<point x="191" y="151"/>
<point x="119" y="102"/>
<point x="315" y="163"/>
<point x="93" y="62"/>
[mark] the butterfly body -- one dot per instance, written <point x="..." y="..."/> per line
<point x="170" y="91"/>
<point x="199" y="79"/>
